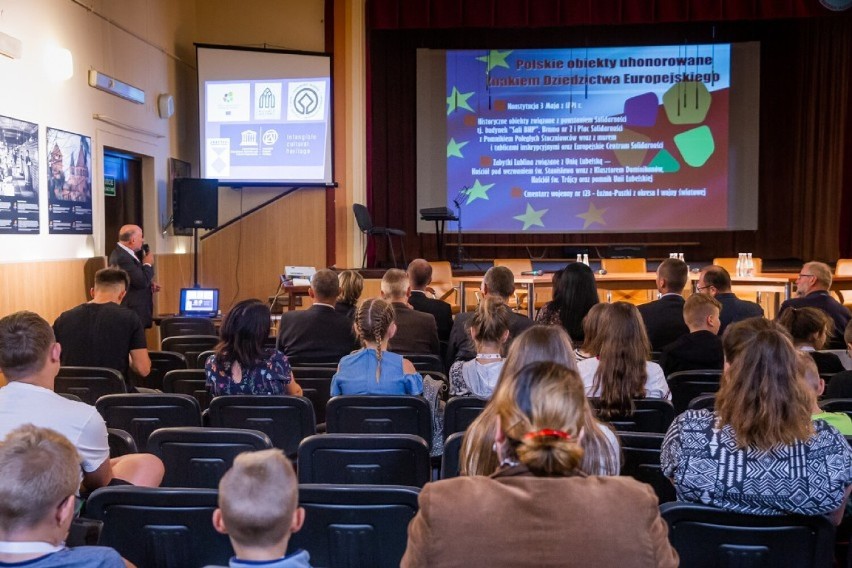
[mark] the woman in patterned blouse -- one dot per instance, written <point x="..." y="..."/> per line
<point x="241" y="364"/>
<point x="759" y="452"/>
<point x="574" y="294"/>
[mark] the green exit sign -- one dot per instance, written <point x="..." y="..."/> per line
<point x="109" y="186"/>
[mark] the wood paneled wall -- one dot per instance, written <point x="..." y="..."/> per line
<point x="172" y="272"/>
<point x="246" y="258"/>
<point x="47" y="287"/>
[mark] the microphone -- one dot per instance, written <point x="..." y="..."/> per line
<point x="168" y="224"/>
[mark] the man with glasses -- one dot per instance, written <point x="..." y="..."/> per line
<point x="715" y="281"/>
<point x="812" y="287"/>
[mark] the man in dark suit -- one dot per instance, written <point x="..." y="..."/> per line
<point x="319" y="334"/>
<point x="715" y="281"/>
<point x="500" y="282"/>
<point x="664" y="317"/>
<point x="701" y="348"/>
<point x="419" y="277"/>
<point x="140" y="293"/>
<point x="416" y="332"/>
<point x="812" y="286"/>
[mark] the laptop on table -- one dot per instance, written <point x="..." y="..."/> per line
<point x="199" y="302"/>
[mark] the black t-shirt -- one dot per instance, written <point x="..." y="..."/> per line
<point x="99" y="335"/>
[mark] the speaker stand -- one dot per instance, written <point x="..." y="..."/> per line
<point x="195" y="259"/>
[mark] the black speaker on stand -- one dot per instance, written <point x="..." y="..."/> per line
<point x="195" y="206"/>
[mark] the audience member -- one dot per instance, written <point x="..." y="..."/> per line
<point x="591" y="326"/>
<point x="259" y="510"/>
<point x="701" y="348"/>
<point x="620" y="370"/>
<point x="574" y="294"/>
<point x="497" y="521"/>
<point x="812" y="287"/>
<point x="39" y="484"/>
<point x="351" y="285"/>
<point x="500" y="282"/>
<point x="840" y="385"/>
<point x="319" y="334"/>
<point x="767" y="454"/>
<point x="126" y="256"/>
<point x="489" y="329"/>
<point x="715" y="281"/>
<point x="29" y="359"/>
<point x="807" y="369"/>
<point x="810" y="329"/>
<point x="241" y="364"/>
<point x="419" y="277"/>
<point x="101" y="333"/>
<point x="417" y="332"/>
<point x="601" y="450"/>
<point x="663" y="318"/>
<point x="373" y="369"/>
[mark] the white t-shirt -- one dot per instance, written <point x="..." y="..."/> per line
<point x="655" y="386"/>
<point x="22" y="403"/>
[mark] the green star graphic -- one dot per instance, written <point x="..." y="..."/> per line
<point x="458" y="100"/>
<point x="478" y="191"/>
<point x="454" y="148"/>
<point x="495" y="59"/>
<point x="531" y="217"/>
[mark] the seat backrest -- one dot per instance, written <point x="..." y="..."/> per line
<point x="170" y="327"/>
<point x="368" y="459"/>
<point x="709" y="537"/>
<point x="73" y="397"/>
<point x="686" y="385"/>
<point x="318" y="391"/>
<point x="313" y="372"/>
<point x="188" y="381"/>
<point x="651" y="415"/>
<point x="287" y="420"/>
<point x="357" y="526"/>
<point x="616" y="265"/>
<point x="703" y="402"/>
<point x="89" y="383"/>
<point x="730" y="264"/>
<point x="442" y="281"/>
<point x="516" y="265"/>
<point x="369" y="414"/>
<point x="425" y="362"/>
<point x="120" y="443"/>
<point x="460" y="412"/>
<point x="202" y="358"/>
<point x="451" y="458"/>
<point x="362" y="217"/>
<point x="190" y="346"/>
<point x="168" y="528"/>
<point x="199" y="457"/>
<point x="141" y="414"/>
<point x="161" y="363"/>
<point x="641" y="451"/>
<point x="837" y="405"/>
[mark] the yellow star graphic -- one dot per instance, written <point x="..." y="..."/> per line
<point x="495" y="58"/>
<point x="478" y="191"/>
<point x="593" y="215"/>
<point x="454" y="148"/>
<point x="531" y="217"/>
<point x="458" y="100"/>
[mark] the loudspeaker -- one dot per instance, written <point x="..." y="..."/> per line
<point x="195" y="203"/>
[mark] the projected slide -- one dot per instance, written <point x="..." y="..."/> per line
<point x="559" y="140"/>
<point x="266" y="130"/>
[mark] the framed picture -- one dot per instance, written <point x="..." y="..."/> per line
<point x="19" y="179"/>
<point x="177" y="169"/>
<point x="69" y="183"/>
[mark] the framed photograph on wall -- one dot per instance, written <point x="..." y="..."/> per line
<point x="19" y="160"/>
<point x="177" y="169"/>
<point x="69" y="183"/>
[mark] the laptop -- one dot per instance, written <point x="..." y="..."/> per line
<point x="199" y="302"/>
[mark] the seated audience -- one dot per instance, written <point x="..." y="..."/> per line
<point x="715" y="281"/>
<point x="663" y="318"/>
<point x="39" y="485"/>
<point x="702" y="348"/>
<point x="810" y="329"/>
<point x="102" y="332"/>
<point x="601" y="450"/>
<point x="759" y="452"/>
<point x="840" y="385"/>
<point x="417" y="332"/>
<point x="373" y="369"/>
<point x="620" y="370"/>
<point x="489" y="329"/>
<point x="500" y="282"/>
<point x="259" y="510"/>
<point x="574" y="294"/>
<point x="591" y="325"/>
<point x="29" y="359"/>
<point x="539" y="508"/>
<point x="419" y="278"/>
<point x="351" y="285"/>
<point x="807" y="369"/>
<point x="241" y="364"/>
<point x="812" y="287"/>
<point x="319" y="334"/>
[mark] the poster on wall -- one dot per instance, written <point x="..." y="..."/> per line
<point x="69" y="183"/>
<point x="18" y="176"/>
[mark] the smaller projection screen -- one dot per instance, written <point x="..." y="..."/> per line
<point x="264" y="116"/>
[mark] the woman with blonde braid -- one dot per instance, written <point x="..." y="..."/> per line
<point x="374" y="369"/>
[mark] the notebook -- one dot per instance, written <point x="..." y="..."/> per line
<point x="201" y="302"/>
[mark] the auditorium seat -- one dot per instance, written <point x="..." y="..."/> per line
<point x="627" y="266"/>
<point x="190" y="346"/>
<point x="161" y="363"/>
<point x="844" y="268"/>
<point x="837" y="405"/>
<point x="202" y="358"/>
<point x="686" y="385"/>
<point x="460" y="412"/>
<point x="318" y="391"/>
<point x="89" y="383"/>
<point x="313" y="372"/>
<point x="703" y="402"/>
<point x="120" y="443"/>
<point x="451" y="458"/>
<point x="357" y="526"/>
<point x="651" y="415"/>
<point x="188" y="381"/>
<point x="365" y="225"/>
<point x="170" y="327"/>
<point x="425" y="363"/>
<point x="641" y="452"/>
<point x="141" y="414"/>
<point x="371" y="414"/>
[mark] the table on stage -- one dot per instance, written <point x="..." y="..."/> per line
<point x="292" y="292"/>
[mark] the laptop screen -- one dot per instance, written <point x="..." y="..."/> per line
<point x="199" y="301"/>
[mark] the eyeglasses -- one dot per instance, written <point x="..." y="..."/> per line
<point x="805" y="276"/>
<point x="700" y="288"/>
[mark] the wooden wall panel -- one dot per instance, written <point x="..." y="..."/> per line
<point x="172" y="272"/>
<point x="47" y="287"/>
<point x="245" y="259"/>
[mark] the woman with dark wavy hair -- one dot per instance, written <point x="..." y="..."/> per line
<point x="574" y="294"/>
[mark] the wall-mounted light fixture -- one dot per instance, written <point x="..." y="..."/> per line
<point x="115" y="87"/>
<point x="10" y="46"/>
